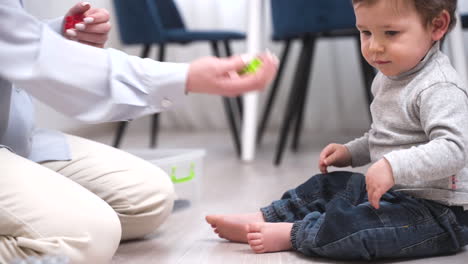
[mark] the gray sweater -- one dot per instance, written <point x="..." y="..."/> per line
<point x="420" y="126"/>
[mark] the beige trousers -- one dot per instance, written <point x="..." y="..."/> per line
<point x="80" y="208"/>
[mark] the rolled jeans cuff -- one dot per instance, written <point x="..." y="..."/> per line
<point x="270" y="215"/>
<point x="295" y="229"/>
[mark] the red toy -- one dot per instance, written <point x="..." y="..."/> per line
<point x="71" y="21"/>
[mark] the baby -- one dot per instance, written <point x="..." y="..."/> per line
<point x="412" y="201"/>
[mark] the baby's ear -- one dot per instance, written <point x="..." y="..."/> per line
<point x="440" y="25"/>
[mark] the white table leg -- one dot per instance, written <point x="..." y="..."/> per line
<point x="255" y="44"/>
<point x="457" y="51"/>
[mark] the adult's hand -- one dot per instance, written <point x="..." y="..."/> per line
<point x="220" y="76"/>
<point x="94" y="29"/>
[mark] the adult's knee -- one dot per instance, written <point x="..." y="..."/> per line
<point x="92" y="238"/>
<point x="103" y="234"/>
<point x="148" y="205"/>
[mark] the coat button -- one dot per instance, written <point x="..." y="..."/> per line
<point x="166" y="103"/>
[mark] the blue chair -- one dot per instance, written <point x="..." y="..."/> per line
<point x="307" y="20"/>
<point x="464" y="20"/>
<point x="148" y="22"/>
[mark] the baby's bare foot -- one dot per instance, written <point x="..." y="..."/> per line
<point x="233" y="227"/>
<point x="269" y="237"/>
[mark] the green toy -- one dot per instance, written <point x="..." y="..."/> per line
<point x="189" y="177"/>
<point x="251" y="67"/>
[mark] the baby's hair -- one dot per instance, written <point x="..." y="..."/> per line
<point x="428" y="9"/>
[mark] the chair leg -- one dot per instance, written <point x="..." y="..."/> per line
<point x="215" y="49"/>
<point x="227" y="47"/>
<point x="236" y="105"/>
<point x="293" y="100"/>
<point x="146" y="50"/>
<point x="155" y="119"/>
<point x="123" y="124"/>
<point x="162" y="52"/>
<point x="154" y="130"/>
<point x="272" y="95"/>
<point x="233" y="124"/>
<point x="120" y="132"/>
<point x="310" y="43"/>
<point x="233" y="119"/>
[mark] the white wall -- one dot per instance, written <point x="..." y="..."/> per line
<point x="336" y="97"/>
<point x="463" y="5"/>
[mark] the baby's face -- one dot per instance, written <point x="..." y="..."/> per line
<point x="393" y="36"/>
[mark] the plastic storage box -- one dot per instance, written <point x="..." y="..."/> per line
<point x="183" y="166"/>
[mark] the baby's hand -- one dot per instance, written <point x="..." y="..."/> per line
<point x="334" y="155"/>
<point x="379" y="179"/>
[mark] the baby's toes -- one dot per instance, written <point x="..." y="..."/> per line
<point x="258" y="249"/>
<point x="254" y="228"/>
<point x="255" y="242"/>
<point x="212" y="220"/>
<point x="254" y="236"/>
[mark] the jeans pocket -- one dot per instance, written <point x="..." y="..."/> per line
<point x="441" y="244"/>
<point x="439" y="236"/>
<point x="417" y="210"/>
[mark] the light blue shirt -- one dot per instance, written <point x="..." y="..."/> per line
<point x="90" y="84"/>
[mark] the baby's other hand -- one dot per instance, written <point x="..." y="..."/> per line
<point x="379" y="179"/>
<point x="334" y="155"/>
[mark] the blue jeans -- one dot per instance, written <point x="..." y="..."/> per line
<point x="333" y="218"/>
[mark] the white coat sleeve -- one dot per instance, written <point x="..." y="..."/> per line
<point x="90" y="84"/>
<point x="55" y="24"/>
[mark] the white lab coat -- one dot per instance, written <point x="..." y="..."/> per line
<point x="90" y="84"/>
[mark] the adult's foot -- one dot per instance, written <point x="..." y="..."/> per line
<point x="233" y="227"/>
<point x="269" y="237"/>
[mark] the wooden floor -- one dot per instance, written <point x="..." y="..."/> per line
<point x="231" y="186"/>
